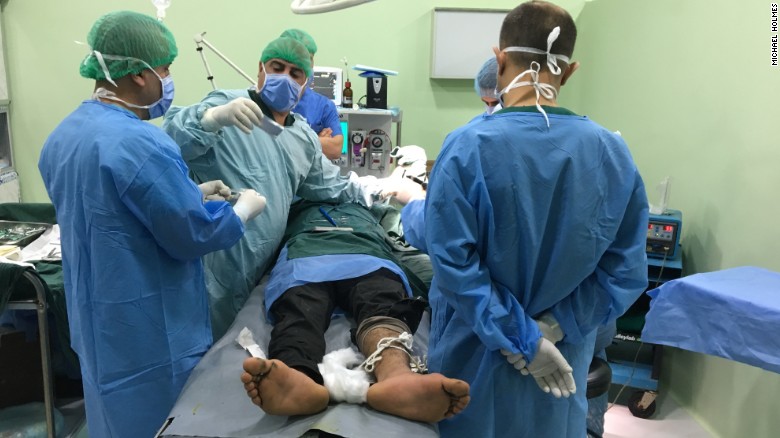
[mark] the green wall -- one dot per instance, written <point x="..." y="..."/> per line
<point x="687" y="82"/>
<point x="690" y="86"/>
<point x="395" y="34"/>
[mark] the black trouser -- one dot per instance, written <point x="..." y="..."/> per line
<point x="303" y="314"/>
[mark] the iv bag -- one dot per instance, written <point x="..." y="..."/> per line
<point x="663" y="188"/>
<point x="161" y="6"/>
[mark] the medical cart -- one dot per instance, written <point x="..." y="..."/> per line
<point x="39" y="290"/>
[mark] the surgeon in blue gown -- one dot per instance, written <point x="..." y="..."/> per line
<point x="220" y="139"/>
<point x="535" y="218"/>
<point x="134" y="228"/>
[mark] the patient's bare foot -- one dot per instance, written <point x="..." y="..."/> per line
<point x="420" y="397"/>
<point x="280" y="390"/>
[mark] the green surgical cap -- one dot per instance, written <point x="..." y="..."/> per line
<point x="127" y="34"/>
<point x="303" y="38"/>
<point x="288" y="50"/>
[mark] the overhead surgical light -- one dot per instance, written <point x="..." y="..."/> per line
<point x="320" y="6"/>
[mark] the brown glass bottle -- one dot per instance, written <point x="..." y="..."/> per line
<point x="346" y="97"/>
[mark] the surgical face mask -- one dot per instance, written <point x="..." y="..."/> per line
<point x="490" y="100"/>
<point x="280" y="92"/>
<point x="491" y="109"/>
<point x="159" y="108"/>
<point x="540" y="88"/>
<point x="156" y="109"/>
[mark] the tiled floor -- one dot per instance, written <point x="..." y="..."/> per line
<point x="75" y="422"/>
<point x="669" y="420"/>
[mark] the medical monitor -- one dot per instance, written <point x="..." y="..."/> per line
<point x="327" y="82"/>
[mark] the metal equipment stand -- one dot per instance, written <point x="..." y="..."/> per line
<point x="39" y="304"/>
<point x="199" y="43"/>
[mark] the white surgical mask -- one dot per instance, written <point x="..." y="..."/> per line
<point x="156" y="109"/>
<point x="541" y="89"/>
<point x="491" y="109"/>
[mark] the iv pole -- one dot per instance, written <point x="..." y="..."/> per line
<point x="200" y="42"/>
<point x="267" y="124"/>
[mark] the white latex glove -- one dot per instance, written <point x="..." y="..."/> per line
<point x="517" y="360"/>
<point x="214" y="190"/>
<point x="551" y="371"/>
<point x="241" y="112"/>
<point x="403" y="190"/>
<point x="550" y="328"/>
<point x="249" y="205"/>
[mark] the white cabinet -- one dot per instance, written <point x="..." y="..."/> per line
<point x="367" y="144"/>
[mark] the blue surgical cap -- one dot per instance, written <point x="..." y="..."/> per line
<point x="485" y="82"/>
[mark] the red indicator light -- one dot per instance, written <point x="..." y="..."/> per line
<point x="668" y="228"/>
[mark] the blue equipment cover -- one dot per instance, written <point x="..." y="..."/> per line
<point x="733" y="313"/>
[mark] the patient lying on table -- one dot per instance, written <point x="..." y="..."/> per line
<point x="356" y="271"/>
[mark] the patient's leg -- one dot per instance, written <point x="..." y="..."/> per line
<point x="402" y="392"/>
<point x="378" y="302"/>
<point x="289" y="382"/>
<point x="280" y="390"/>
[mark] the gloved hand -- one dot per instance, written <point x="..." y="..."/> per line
<point x="550" y="328"/>
<point x="241" y="112"/>
<point x="249" y="205"/>
<point x="214" y="190"/>
<point x="517" y="360"/>
<point x="551" y="371"/>
<point x="402" y="189"/>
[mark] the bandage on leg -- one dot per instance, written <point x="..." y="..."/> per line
<point x="344" y="379"/>
<point x="349" y="383"/>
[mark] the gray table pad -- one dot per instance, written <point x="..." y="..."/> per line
<point x="213" y="402"/>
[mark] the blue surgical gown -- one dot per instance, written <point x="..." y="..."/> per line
<point x="520" y="219"/>
<point x="319" y="111"/>
<point x="133" y="227"/>
<point x="279" y="168"/>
